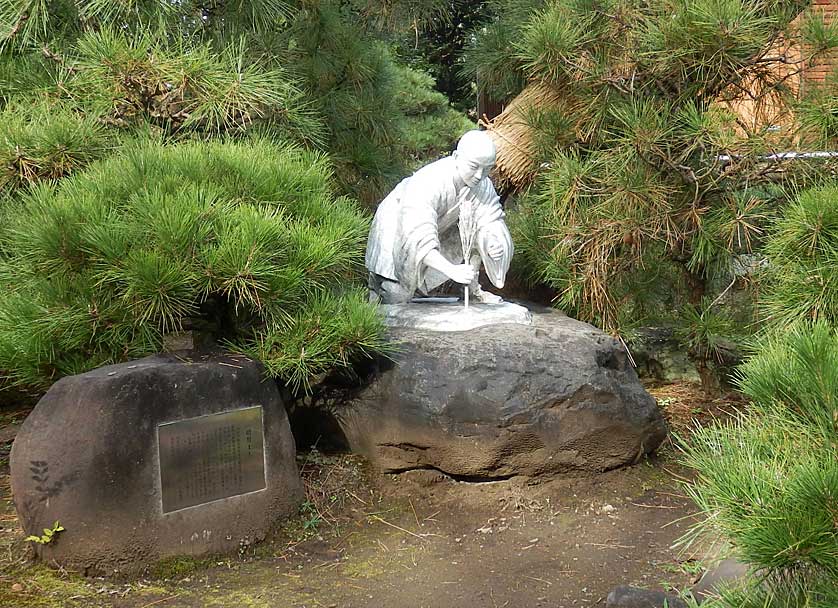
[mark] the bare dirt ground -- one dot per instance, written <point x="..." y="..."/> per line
<point x="366" y="540"/>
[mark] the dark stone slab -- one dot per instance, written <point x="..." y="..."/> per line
<point x="632" y="597"/>
<point x="659" y="356"/>
<point x="164" y="456"/>
<point x="725" y="573"/>
<point x="557" y="396"/>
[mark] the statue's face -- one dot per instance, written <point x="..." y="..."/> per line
<point x="471" y="170"/>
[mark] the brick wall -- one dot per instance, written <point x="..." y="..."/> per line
<point x="817" y="72"/>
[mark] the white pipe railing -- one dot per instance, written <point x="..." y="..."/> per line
<point x="726" y="158"/>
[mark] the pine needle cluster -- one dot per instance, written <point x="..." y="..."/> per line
<point x="801" y="273"/>
<point x="768" y="480"/>
<point x="244" y="242"/>
<point x="178" y="86"/>
<point x="47" y="142"/>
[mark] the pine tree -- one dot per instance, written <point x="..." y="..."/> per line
<point x="654" y="181"/>
<point x="650" y="184"/>
<point x="768" y="480"/>
<point x="161" y="169"/>
<point x="801" y="261"/>
<point x="244" y="242"/>
<point x="317" y="73"/>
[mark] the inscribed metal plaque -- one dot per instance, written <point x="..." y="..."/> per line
<point x="211" y="457"/>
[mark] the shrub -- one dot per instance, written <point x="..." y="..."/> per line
<point x="768" y="480"/>
<point x="802" y="254"/>
<point x="319" y="73"/>
<point x="46" y="142"/>
<point x="245" y="242"/>
<point x="431" y="127"/>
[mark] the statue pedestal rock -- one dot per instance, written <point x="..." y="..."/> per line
<point x="160" y="457"/>
<point x="557" y="396"/>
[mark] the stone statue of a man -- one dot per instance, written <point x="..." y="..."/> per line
<point x="415" y="242"/>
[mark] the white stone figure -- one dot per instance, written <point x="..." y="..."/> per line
<point x="415" y="242"/>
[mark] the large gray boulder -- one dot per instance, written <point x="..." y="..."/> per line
<point x="557" y="396"/>
<point x="165" y="456"/>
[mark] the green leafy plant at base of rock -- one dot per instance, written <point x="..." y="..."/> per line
<point x="48" y="536"/>
<point x="244" y="242"/>
<point x="768" y="480"/>
<point x="311" y="518"/>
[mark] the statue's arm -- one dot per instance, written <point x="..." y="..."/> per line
<point x="461" y="273"/>
<point x="419" y="229"/>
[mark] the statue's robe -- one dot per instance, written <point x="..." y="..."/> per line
<point x="421" y="214"/>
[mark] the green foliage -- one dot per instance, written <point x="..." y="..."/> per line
<point x="127" y="218"/>
<point x="47" y="537"/>
<point x="488" y="59"/>
<point x="401" y="15"/>
<point x="436" y="46"/>
<point x="816" y="594"/>
<point x="351" y="78"/>
<point x="330" y="331"/>
<point x="802" y="254"/>
<point x="768" y="480"/>
<point x="246" y="242"/>
<point x="311" y="517"/>
<point x="431" y="127"/>
<point x="316" y="73"/>
<point x="126" y="78"/>
<point x="376" y="114"/>
<point x="706" y="332"/>
<point x="47" y="142"/>
<point x="817" y="114"/>
<point x="799" y="369"/>
<point x="642" y="160"/>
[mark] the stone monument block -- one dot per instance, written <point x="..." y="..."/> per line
<point x="165" y="456"/>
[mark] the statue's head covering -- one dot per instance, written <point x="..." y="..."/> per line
<point x="477" y="145"/>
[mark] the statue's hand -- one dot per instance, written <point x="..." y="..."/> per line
<point x="462" y="273"/>
<point x="487" y="298"/>
<point x="495" y="251"/>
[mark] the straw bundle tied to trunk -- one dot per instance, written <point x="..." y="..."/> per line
<point x="514" y="135"/>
